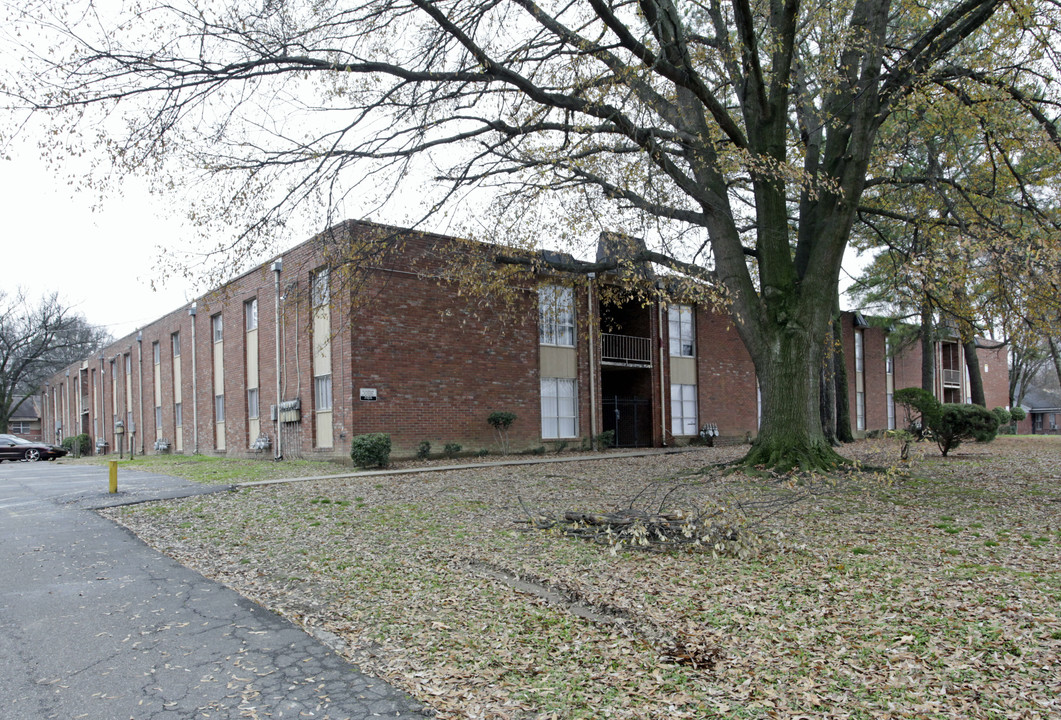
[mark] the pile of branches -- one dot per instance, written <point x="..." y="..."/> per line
<point x="662" y="525"/>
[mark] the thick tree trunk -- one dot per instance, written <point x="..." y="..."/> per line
<point x="928" y="351"/>
<point x="1055" y="355"/>
<point x="976" y="380"/>
<point x="843" y="393"/>
<point x="827" y="390"/>
<point x="791" y="434"/>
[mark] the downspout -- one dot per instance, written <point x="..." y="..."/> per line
<point x="101" y="428"/>
<point x="277" y="267"/>
<point x="592" y="362"/>
<point x="662" y="378"/>
<point x="140" y="386"/>
<point x="195" y="390"/>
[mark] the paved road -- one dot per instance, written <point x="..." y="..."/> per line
<point x="95" y="624"/>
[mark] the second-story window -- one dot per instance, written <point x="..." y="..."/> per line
<point x="176" y="337"/>
<point x="859" y="354"/>
<point x="320" y="293"/>
<point x="156" y="352"/>
<point x="215" y="321"/>
<point x="250" y="313"/>
<point x="680" y="327"/>
<point x="556" y="315"/>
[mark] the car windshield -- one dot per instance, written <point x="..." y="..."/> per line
<point x="18" y="440"/>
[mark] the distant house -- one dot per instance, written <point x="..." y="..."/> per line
<point x="26" y="421"/>
<point x="1043" y="406"/>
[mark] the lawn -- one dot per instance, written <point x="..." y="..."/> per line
<point x="212" y="469"/>
<point x="934" y="594"/>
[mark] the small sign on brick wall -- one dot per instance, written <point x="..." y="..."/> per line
<point x="368" y="394"/>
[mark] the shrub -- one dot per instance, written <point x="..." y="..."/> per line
<point x="423" y="450"/>
<point x="1004" y="416"/>
<point x="482" y="452"/>
<point x="371" y="450"/>
<point x="963" y="422"/>
<point x="606" y="439"/>
<point x="560" y="446"/>
<point x="1017" y="414"/>
<point x="82" y="443"/>
<point x="501" y="421"/>
<point x="451" y="450"/>
<point x="922" y="410"/>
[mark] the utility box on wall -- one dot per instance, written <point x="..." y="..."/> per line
<point x="291" y="411"/>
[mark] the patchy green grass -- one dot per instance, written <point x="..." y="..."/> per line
<point x="874" y="599"/>
<point x="212" y="469"/>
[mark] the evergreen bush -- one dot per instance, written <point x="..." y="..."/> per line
<point x="963" y="422"/>
<point x="371" y="450"/>
<point x="82" y="443"/>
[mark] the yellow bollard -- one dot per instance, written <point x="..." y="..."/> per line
<point x="114" y="476"/>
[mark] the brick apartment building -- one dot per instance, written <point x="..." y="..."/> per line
<point x="298" y="356"/>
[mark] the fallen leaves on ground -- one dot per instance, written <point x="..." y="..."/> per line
<point x="935" y="594"/>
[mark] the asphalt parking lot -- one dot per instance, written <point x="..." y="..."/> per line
<point x="96" y="624"/>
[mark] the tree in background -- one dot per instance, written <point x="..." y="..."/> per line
<point x="737" y="138"/>
<point x="37" y="339"/>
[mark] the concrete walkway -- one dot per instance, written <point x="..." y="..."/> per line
<point x="95" y="624"/>
<point x="533" y="460"/>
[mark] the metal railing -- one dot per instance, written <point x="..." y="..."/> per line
<point x="952" y="378"/>
<point x="626" y="348"/>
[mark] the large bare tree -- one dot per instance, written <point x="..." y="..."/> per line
<point x="737" y="137"/>
<point x="37" y="339"/>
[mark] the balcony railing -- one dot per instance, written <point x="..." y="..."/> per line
<point x="952" y="378"/>
<point x="626" y="349"/>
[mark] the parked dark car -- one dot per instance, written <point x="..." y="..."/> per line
<point x="13" y="447"/>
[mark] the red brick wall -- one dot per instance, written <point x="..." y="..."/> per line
<point x="726" y="383"/>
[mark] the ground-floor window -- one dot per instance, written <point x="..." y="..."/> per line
<point x="19" y="428"/>
<point x="891" y="411"/>
<point x="178" y="420"/>
<point x="219" y="408"/>
<point x="252" y="403"/>
<point x="860" y="411"/>
<point x="323" y="392"/>
<point x="683" y="410"/>
<point x="559" y="408"/>
<point x="158" y="421"/>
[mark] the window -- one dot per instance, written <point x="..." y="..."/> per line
<point x="252" y="403"/>
<point x="859" y="361"/>
<point x="215" y="321"/>
<point x="219" y="408"/>
<point x="158" y="418"/>
<point x="889" y="361"/>
<point x="683" y="410"/>
<point x="556" y="315"/>
<point x="177" y="418"/>
<point x="250" y="313"/>
<point x="319" y="292"/>
<point x="890" y="400"/>
<point x="156" y="352"/>
<point x="680" y="325"/>
<point x="322" y="386"/>
<point x="176" y="339"/>
<point x="860" y="410"/>
<point x="19" y="427"/>
<point x="559" y="414"/>
<point x="128" y="363"/>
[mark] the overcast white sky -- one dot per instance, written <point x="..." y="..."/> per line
<point x="100" y="261"/>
